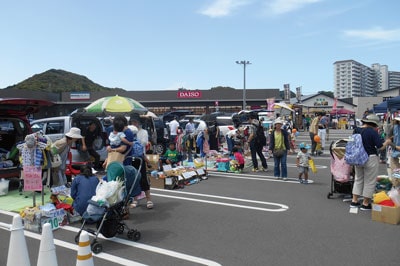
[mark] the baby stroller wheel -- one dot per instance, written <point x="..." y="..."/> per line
<point x="96" y="247"/>
<point x="134" y="235"/>
<point x="77" y="238"/>
<point x="120" y="228"/>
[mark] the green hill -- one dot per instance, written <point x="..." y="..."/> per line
<point x="57" y="80"/>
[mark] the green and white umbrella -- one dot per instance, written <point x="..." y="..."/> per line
<point x="112" y="105"/>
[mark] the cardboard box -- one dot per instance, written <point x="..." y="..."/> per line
<point x="156" y="182"/>
<point x="385" y="214"/>
<point x="153" y="161"/>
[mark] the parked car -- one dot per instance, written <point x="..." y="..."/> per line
<point x="56" y="127"/>
<point x="225" y="124"/>
<point x="160" y="147"/>
<point x="14" y="126"/>
<point x="167" y="117"/>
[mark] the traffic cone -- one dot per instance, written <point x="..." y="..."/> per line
<point x="47" y="250"/>
<point x="84" y="257"/>
<point x="17" y="250"/>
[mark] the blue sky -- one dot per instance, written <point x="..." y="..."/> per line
<point x="168" y="44"/>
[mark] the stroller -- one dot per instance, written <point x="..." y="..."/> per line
<point x="342" y="173"/>
<point x="109" y="217"/>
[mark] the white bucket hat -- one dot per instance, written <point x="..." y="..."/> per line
<point x="278" y="121"/>
<point x="74" y="133"/>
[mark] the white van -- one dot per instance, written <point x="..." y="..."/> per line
<point x="56" y="127"/>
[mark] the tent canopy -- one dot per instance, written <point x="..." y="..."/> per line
<point x="394" y="103"/>
<point x="381" y="108"/>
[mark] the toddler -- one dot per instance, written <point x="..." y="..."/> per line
<point x="117" y="136"/>
<point x="302" y="162"/>
<point x="239" y="158"/>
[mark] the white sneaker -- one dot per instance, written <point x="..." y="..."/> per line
<point x="285" y="179"/>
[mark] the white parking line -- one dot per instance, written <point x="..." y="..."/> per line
<point x="281" y="207"/>
<point x="255" y="177"/>
<point x="119" y="260"/>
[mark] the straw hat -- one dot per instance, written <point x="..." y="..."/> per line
<point x="74" y="133"/>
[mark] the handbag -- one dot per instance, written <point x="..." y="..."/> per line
<point x="55" y="160"/>
<point x="312" y="165"/>
<point x="395" y="154"/>
<point x="115" y="157"/>
<point x="278" y="153"/>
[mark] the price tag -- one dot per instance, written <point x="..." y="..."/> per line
<point x="200" y="171"/>
<point x="167" y="167"/>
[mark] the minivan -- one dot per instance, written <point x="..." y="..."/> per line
<point x="56" y="127"/>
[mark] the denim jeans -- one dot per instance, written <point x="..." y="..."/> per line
<point x="280" y="166"/>
<point x="230" y="142"/>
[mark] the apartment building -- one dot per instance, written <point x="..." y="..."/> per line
<point x="353" y="79"/>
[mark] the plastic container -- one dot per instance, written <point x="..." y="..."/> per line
<point x="4" y="186"/>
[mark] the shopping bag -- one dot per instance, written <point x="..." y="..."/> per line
<point x="115" y="157"/>
<point x="312" y="165"/>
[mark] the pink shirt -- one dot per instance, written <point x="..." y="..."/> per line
<point x="239" y="157"/>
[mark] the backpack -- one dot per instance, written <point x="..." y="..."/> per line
<point x="137" y="149"/>
<point x="260" y="138"/>
<point x="355" y="153"/>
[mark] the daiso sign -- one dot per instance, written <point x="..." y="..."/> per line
<point x="188" y="94"/>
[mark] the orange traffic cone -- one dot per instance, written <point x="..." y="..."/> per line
<point x="84" y="257"/>
<point x="47" y="250"/>
<point x="17" y="250"/>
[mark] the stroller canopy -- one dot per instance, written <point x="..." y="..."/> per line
<point x="128" y="173"/>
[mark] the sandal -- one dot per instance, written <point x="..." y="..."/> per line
<point x="150" y="205"/>
<point x="134" y="204"/>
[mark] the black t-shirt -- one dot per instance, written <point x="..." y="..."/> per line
<point x="90" y="137"/>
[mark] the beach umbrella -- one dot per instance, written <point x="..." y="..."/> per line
<point x="112" y="105"/>
<point x="283" y="105"/>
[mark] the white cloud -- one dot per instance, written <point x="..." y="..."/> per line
<point x="222" y="8"/>
<point x="285" y="6"/>
<point x="374" y="34"/>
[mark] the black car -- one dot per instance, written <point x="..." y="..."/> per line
<point x="14" y="126"/>
<point x="167" y="117"/>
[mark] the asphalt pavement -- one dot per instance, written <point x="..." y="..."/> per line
<point x="242" y="219"/>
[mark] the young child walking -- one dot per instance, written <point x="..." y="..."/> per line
<point x="302" y="162"/>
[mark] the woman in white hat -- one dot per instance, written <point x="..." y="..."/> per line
<point x="62" y="147"/>
<point x="279" y="145"/>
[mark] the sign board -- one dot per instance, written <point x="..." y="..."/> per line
<point x="79" y="96"/>
<point x="32" y="178"/>
<point x="189" y="94"/>
<point x="55" y="218"/>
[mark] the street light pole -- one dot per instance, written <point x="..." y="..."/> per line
<point x="244" y="63"/>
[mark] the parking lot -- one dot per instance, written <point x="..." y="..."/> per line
<point x="242" y="219"/>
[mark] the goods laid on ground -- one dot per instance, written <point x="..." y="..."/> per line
<point x="386" y="202"/>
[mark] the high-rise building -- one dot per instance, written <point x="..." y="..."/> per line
<point x="394" y="79"/>
<point x="353" y="79"/>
